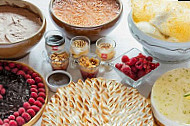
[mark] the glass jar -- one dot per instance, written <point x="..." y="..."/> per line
<point x="105" y="48"/>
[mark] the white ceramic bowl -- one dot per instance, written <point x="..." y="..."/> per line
<point x="162" y="50"/>
<point x="54" y="87"/>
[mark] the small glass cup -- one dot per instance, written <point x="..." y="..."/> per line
<point x="105" y="48"/>
<point x="59" y="62"/>
<point x="54" y="41"/>
<point x="92" y="70"/>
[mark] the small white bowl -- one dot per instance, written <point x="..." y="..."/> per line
<point x="54" y="87"/>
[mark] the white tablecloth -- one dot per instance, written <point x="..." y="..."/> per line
<point x="121" y="35"/>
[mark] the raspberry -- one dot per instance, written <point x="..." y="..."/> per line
<point x="31" y="112"/>
<point x="139" y="65"/>
<point x="149" y="58"/>
<point x="26" y="116"/>
<point x="152" y="66"/>
<point x="12" y="123"/>
<point x="126" y="69"/>
<point x="34" y="86"/>
<point x="7" y="68"/>
<point x="31" y="101"/>
<point x="35" y="108"/>
<point x="26" y="105"/>
<point x="25" y="69"/>
<point x="157" y="64"/>
<point x="38" y="79"/>
<point x="119" y="66"/>
<point x="34" y="95"/>
<point x="147" y="71"/>
<point x="3" y="91"/>
<point x="28" y="76"/>
<point x="38" y="103"/>
<point x="1" y="68"/>
<point x="16" y="114"/>
<point x="34" y="90"/>
<point x="34" y="75"/>
<point x="11" y="117"/>
<point x="21" y="110"/>
<point x="125" y="59"/>
<point x="20" y="121"/>
<point x="1" y="86"/>
<point x="41" y="99"/>
<point x="18" y="66"/>
<point x="29" y="72"/>
<point x="141" y="73"/>
<point x="1" y="121"/>
<point x="134" y="69"/>
<point x="132" y="76"/>
<point x="42" y="94"/>
<point x="20" y="72"/>
<point x="14" y="70"/>
<point x="1" y="97"/>
<point x="132" y="61"/>
<point x="41" y="90"/>
<point x="12" y="65"/>
<point x="6" y="124"/>
<point x="6" y="120"/>
<point x="40" y="85"/>
<point x="141" y="56"/>
<point x="30" y="81"/>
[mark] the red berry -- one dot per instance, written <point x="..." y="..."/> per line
<point x="3" y="91"/>
<point x="31" y="101"/>
<point x="42" y="94"/>
<point x="12" y="65"/>
<point x="34" y="95"/>
<point x="31" y="112"/>
<point x="34" y="86"/>
<point x="134" y="69"/>
<point x="139" y="65"/>
<point x="41" y="90"/>
<point x="157" y="64"/>
<point x="40" y="85"/>
<point x="28" y="76"/>
<point x="119" y="66"/>
<point x="35" y="108"/>
<point x="1" y="68"/>
<point x="12" y="123"/>
<point x="6" y="120"/>
<point x="26" y="116"/>
<point x="38" y="79"/>
<point x="6" y="124"/>
<point x="21" y="110"/>
<point x="126" y="69"/>
<point x="38" y="103"/>
<point x="1" y="121"/>
<point x="34" y="75"/>
<point x="20" y="72"/>
<point x="7" y="68"/>
<point x="25" y="69"/>
<point x="141" y="73"/>
<point x="34" y="90"/>
<point x="14" y="70"/>
<point x="20" y="121"/>
<point x="152" y="66"/>
<point x="16" y="114"/>
<point x="132" y="61"/>
<point x="1" y="97"/>
<point x="18" y="66"/>
<point x="1" y="86"/>
<point x="141" y="56"/>
<point x="149" y="58"/>
<point x="30" y="81"/>
<point x="11" y="117"/>
<point x="41" y="99"/>
<point x="147" y="71"/>
<point x="132" y="76"/>
<point x="26" y="105"/>
<point x="125" y="59"/>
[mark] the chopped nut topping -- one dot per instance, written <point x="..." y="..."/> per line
<point x="59" y="56"/>
<point x="80" y="43"/>
<point x="88" y="62"/>
<point x="105" y="45"/>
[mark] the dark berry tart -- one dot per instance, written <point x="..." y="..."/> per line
<point x="23" y="94"/>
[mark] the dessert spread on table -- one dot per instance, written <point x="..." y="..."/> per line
<point x="17" y="24"/>
<point x="93" y="100"/>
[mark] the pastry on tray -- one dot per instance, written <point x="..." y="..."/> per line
<point x="23" y="94"/>
<point x="170" y="98"/>
<point x="97" y="102"/>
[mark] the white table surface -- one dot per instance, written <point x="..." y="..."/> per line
<point x="120" y="34"/>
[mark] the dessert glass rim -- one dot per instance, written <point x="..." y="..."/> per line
<point x="40" y="14"/>
<point x="62" y="72"/>
<point x="57" y="42"/>
<point x="87" y="27"/>
<point x="85" y="37"/>
<point x="113" y="45"/>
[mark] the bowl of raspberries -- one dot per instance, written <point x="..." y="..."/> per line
<point x="134" y="67"/>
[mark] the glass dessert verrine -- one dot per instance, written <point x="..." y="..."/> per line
<point x="105" y="48"/>
<point x="59" y="61"/>
<point x="89" y="65"/>
<point x="80" y="45"/>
